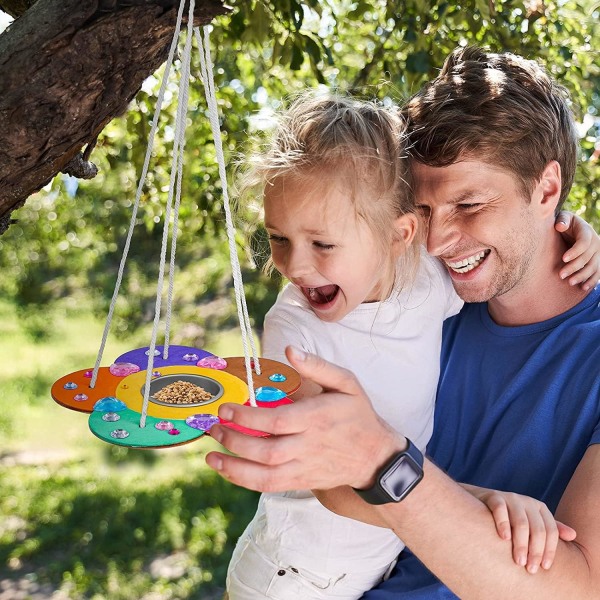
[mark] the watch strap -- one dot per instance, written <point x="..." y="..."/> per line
<point x="378" y="494"/>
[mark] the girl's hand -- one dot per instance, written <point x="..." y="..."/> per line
<point x="529" y="523"/>
<point x="583" y="258"/>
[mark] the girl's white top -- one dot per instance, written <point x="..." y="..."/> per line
<point x="393" y="347"/>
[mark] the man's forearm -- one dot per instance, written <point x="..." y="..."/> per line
<point x="454" y="535"/>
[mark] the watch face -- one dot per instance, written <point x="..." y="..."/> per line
<point x="397" y="482"/>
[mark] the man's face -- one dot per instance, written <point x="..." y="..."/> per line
<point x="480" y="226"/>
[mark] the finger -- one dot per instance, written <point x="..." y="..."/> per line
<point x="252" y="475"/>
<point x="329" y="376"/>
<point x="551" y="538"/>
<point x="539" y="531"/>
<point x="580" y="247"/>
<point x="587" y="275"/>
<point x="520" y="534"/>
<point x="563" y="221"/>
<point x="279" y="420"/>
<point x="565" y="533"/>
<point x="500" y="513"/>
<point x="264" y="450"/>
<point x="575" y="266"/>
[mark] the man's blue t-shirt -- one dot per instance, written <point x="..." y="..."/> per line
<point x="516" y="409"/>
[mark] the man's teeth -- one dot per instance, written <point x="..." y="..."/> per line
<point x="468" y="264"/>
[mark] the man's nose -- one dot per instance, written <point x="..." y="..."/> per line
<point x="442" y="234"/>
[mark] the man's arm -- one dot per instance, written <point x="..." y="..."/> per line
<point x="337" y="439"/>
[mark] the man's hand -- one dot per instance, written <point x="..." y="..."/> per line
<point x="322" y="442"/>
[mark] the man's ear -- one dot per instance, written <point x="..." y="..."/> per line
<point x="546" y="193"/>
<point x="405" y="230"/>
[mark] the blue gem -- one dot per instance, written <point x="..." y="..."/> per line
<point x="267" y="393"/>
<point x="109" y="404"/>
<point x="277" y="377"/>
<point x="70" y="385"/>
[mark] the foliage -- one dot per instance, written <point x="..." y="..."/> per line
<point x="121" y="535"/>
<point x="69" y="238"/>
<point x="102" y="521"/>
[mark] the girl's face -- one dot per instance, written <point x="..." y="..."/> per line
<point x="321" y="245"/>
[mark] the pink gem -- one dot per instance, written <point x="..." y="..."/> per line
<point x="164" y="426"/>
<point x="212" y="362"/>
<point x="88" y="374"/>
<point x="80" y="397"/>
<point x="174" y="432"/>
<point x="123" y="369"/>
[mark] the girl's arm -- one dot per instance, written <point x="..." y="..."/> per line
<point x="528" y="522"/>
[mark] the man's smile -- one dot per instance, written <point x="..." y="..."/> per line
<point x="469" y="263"/>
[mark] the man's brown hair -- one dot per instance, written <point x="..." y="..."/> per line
<point x="500" y="108"/>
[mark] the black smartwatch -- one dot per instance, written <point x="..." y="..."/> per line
<point x="397" y="478"/>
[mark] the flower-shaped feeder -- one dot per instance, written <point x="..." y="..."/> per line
<point x="116" y="401"/>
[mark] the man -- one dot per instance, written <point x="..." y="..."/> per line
<point x="493" y="158"/>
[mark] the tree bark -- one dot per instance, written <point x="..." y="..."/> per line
<point x="67" y="68"/>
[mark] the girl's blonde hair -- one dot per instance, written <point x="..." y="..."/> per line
<point x="325" y="137"/>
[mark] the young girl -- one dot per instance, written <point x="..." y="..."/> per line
<point x="343" y="231"/>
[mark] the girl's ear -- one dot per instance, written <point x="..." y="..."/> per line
<point x="405" y="230"/>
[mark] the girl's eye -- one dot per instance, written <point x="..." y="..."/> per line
<point x="277" y="239"/>
<point x="324" y="246"/>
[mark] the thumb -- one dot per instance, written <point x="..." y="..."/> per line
<point x="565" y="533"/>
<point x="329" y="376"/>
<point x="563" y="221"/>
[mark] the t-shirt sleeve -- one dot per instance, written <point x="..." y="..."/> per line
<point x="281" y="329"/>
<point x="450" y="298"/>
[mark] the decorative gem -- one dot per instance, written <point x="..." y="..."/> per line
<point x="156" y="373"/>
<point x="123" y="369"/>
<point x="266" y="393"/>
<point x="110" y="417"/>
<point x="80" y="397"/>
<point x="212" y="362"/>
<point x="156" y="352"/>
<point x="88" y="374"/>
<point x="190" y="357"/>
<point x="119" y="434"/>
<point x="174" y="431"/>
<point x="109" y="404"/>
<point x="203" y="422"/>
<point x="277" y="377"/>
<point x="164" y="426"/>
<point x="70" y="385"/>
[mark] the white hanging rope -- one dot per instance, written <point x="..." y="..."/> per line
<point x="138" y="195"/>
<point x="181" y="119"/>
<point x="176" y="186"/>
<point x="243" y="317"/>
<point x="176" y="176"/>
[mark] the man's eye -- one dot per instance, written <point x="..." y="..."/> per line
<point x="469" y="206"/>
<point x="324" y="246"/>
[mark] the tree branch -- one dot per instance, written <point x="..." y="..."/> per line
<point x="67" y="68"/>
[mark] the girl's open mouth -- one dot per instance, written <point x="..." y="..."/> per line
<point x="319" y="296"/>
